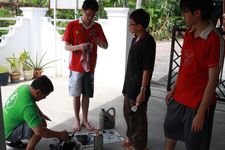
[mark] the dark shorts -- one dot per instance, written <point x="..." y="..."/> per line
<point x="178" y="123"/>
<point x="20" y="133"/>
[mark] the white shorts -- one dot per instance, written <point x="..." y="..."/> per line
<point x="81" y="83"/>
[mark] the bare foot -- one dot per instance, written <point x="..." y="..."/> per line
<point x="87" y="126"/>
<point x="129" y="148"/>
<point x="132" y="148"/>
<point x="76" y="126"/>
<point x="126" y="143"/>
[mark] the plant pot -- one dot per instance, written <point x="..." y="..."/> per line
<point x="37" y="73"/>
<point x="28" y="74"/>
<point x="4" y="78"/>
<point x="15" y="77"/>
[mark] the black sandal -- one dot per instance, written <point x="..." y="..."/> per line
<point x="17" y="144"/>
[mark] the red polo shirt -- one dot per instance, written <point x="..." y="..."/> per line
<point x="197" y="56"/>
<point x="77" y="33"/>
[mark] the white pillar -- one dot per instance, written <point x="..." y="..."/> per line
<point x="119" y="37"/>
<point x="34" y="14"/>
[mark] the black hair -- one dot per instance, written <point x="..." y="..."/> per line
<point x="205" y="6"/>
<point x="44" y="84"/>
<point x="90" y="4"/>
<point x="140" y="16"/>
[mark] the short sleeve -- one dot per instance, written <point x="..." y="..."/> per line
<point x="215" y="52"/>
<point x="149" y="54"/>
<point x="31" y="116"/>
<point x="68" y="34"/>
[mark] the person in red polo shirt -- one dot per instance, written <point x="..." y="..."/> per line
<point x="82" y="36"/>
<point x="192" y="100"/>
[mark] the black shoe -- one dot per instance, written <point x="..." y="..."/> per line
<point x="17" y="144"/>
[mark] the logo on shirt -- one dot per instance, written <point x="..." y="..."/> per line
<point x="93" y="32"/>
<point x="188" y="57"/>
<point x="11" y="101"/>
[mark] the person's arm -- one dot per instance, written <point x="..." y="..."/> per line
<point x="47" y="133"/>
<point x="145" y="80"/>
<point x="42" y="114"/>
<point x="198" y="120"/>
<point x="101" y="42"/>
<point x="83" y="46"/>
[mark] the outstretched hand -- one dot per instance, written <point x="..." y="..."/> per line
<point x="64" y="135"/>
<point x="46" y="117"/>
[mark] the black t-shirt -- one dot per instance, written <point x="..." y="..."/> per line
<point x="141" y="57"/>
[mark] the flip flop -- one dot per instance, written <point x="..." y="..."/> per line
<point x="17" y="144"/>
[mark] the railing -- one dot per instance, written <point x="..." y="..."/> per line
<point x="16" y="19"/>
<point x="7" y="28"/>
<point x="174" y="65"/>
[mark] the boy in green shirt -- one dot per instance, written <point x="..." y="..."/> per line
<point x="23" y="118"/>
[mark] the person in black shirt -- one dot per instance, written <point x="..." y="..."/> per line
<point x="136" y="88"/>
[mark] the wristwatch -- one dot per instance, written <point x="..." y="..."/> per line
<point x="143" y="88"/>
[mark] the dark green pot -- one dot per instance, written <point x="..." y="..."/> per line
<point x="4" y="78"/>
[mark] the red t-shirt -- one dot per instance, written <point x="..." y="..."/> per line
<point x="77" y="33"/>
<point x="197" y="56"/>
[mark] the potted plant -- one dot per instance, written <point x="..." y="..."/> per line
<point x="15" y="67"/>
<point x="27" y="69"/>
<point x="4" y="76"/>
<point x="39" y="65"/>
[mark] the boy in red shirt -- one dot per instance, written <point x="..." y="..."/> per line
<point x="191" y="102"/>
<point x="82" y="37"/>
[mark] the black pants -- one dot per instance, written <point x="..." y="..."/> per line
<point x="137" y="124"/>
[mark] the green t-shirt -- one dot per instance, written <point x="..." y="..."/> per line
<point x="19" y="108"/>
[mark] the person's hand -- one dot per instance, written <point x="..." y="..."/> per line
<point x="64" y="135"/>
<point x="98" y="41"/>
<point x="169" y="96"/>
<point x="197" y="123"/>
<point x="85" y="47"/>
<point x="46" y="117"/>
<point x="140" y="98"/>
